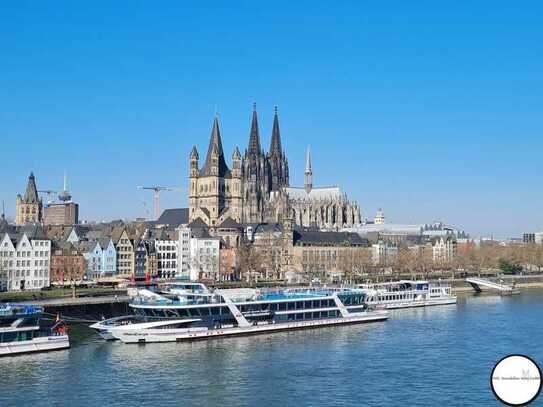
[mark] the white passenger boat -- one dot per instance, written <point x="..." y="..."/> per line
<point x="21" y="332"/>
<point x="223" y="313"/>
<point x="407" y="294"/>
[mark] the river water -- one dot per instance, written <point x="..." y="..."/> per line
<point x="438" y="356"/>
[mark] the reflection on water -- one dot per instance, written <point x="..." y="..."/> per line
<point x="422" y="356"/>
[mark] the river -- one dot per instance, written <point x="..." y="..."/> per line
<point x="419" y="357"/>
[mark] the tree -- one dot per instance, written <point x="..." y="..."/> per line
<point x="508" y="267"/>
<point x="250" y="262"/>
<point x="70" y="268"/>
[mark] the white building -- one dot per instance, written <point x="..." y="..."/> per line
<point x="25" y="262"/>
<point x="443" y="249"/>
<point x="183" y="252"/>
<point x="383" y="253"/>
<point x="167" y="253"/>
<point x="204" y="258"/>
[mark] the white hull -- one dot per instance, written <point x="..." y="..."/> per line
<point x="41" y="344"/>
<point x="177" y="335"/>
<point x="417" y="303"/>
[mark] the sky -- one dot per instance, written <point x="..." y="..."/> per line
<point x="431" y="111"/>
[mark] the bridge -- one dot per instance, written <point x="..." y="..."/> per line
<point x="477" y="283"/>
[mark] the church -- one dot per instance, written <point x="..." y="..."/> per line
<point x="256" y="189"/>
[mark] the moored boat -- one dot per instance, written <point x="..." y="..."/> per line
<point x="22" y="331"/>
<point x="226" y="313"/>
<point x="407" y="294"/>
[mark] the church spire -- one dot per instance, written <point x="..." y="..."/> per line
<point x="275" y="147"/>
<point x="31" y="194"/>
<point x="254" y="138"/>
<point x="215" y="150"/>
<point x="308" y="172"/>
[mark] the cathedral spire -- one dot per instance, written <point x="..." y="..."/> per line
<point x="254" y="138"/>
<point x="275" y="147"/>
<point x="308" y="172"/>
<point x="215" y="149"/>
<point x="31" y="194"/>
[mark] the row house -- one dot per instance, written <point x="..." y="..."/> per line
<point x="125" y="252"/>
<point x="183" y="252"/>
<point x="24" y="261"/>
<point x="67" y="263"/>
<point x="166" y="245"/>
<point x="100" y="257"/>
<point x="145" y="260"/>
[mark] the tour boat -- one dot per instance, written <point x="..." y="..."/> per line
<point x="407" y="294"/>
<point x="21" y="331"/>
<point x="241" y="312"/>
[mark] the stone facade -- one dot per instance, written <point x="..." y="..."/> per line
<point x="326" y="208"/>
<point x="217" y="192"/>
<point x="256" y="189"/>
<point x="28" y="208"/>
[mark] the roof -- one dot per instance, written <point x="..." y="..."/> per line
<point x="174" y="217"/>
<point x="320" y="238"/>
<point x="197" y="223"/>
<point x="230" y="223"/>
<point x="316" y="193"/>
<point x="387" y="228"/>
<point x="215" y="149"/>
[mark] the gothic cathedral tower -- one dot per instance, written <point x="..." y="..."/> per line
<point x="277" y="159"/>
<point x="255" y="176"/>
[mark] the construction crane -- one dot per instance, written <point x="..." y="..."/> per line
<point x="156" y="196"/>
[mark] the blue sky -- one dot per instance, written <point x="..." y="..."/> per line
<point x="431" y="111"/>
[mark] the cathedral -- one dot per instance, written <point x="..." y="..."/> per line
<point x="256" y="188"/>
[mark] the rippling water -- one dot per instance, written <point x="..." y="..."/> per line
<point x="420" y="357"/>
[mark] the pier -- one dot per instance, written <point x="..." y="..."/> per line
<point x="478" y="283"/>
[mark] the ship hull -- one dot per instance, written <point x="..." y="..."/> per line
<point x="141" y="337"/>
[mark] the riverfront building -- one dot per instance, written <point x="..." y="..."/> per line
<point x="100" y="257"/>
<point x="25" y="256"/>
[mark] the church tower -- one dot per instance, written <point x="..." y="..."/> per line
<point x="255" y="175"/>
<point x="277" y="160"/>
<point x="28" y="209"/>
<point x="210" y="187"/>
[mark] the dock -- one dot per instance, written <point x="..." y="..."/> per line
<point x="479" y="283"/>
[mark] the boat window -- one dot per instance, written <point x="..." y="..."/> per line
<point x="183" y="313"/>
<point x="9" y="337"/>
<point x="282" y="306"/>
<point x="291" y="305"/>
<point x="214" y="310"/>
